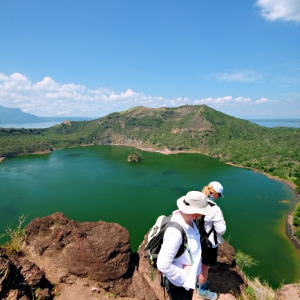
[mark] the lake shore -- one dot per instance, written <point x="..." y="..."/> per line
<point x="289" y="221"/>
<point x="290" y="229"/>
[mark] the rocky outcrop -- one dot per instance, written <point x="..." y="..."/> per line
<point x="134" y="157"/>
<point x="94" y="255"/>
<point x="65" y="259"/>
<point x="22" y="279"/>
<point x="289" y="292"/>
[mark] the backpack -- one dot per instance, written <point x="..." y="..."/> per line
<point x="204" y="236"/>
<point x="155" y="239"/>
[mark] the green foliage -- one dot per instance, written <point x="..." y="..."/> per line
<point x="297" y="234"/>
<point x="250" y="293"/>
<point x="244" y="260"/>
<point x="257" y="290"/>
<point x="296" y="220"/>
<point x="17" y="237"/>
<point x="297" y="179"/>
<point x="134" y="156"/>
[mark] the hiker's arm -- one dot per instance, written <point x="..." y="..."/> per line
<point x="219" y="222"/>
<point x="171" y="243"/>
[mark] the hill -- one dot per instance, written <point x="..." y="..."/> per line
<point x="16" y="115"/>
<point x="187" y="128"/>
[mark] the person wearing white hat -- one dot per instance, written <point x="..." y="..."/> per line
<point x="181" y="273"/>
<point x="216" y="226"/>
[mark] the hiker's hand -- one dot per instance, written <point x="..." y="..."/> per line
<point x="187" y="268"/>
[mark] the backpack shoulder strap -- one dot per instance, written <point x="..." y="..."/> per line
<point x="183" y="235"/>
<point x="213" y="228"/>
<point x="211" y="203"/>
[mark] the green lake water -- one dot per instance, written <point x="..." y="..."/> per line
<point x="97" y="183"/>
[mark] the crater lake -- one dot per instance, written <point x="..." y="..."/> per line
<point x="97" y="183"/>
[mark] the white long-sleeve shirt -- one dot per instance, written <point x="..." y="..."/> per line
<point x="172" y="267"/>
<point x="216" y="219"/>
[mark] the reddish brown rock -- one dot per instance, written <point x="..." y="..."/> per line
<point x="289" y="292"/>
<point x="19" y="277"/>
<point x="98" y="252"/>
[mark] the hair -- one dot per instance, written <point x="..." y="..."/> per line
<point x="208" y="190"/>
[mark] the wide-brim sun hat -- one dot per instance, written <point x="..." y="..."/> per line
<point x="217" y="186"/>
<point x="194" y="202"/>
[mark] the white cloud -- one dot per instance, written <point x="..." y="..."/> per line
<point x="214" y="101"/>
<point x="242" y="100"/>
<point x="50" y="98"/>
<point x="241" y="76"/>
<point x="262" y="100"/>
<point x="287" y="10"/>
<point x="230" y="101"/>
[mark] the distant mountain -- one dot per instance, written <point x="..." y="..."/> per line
<point x="189" y="128"/>
<point x="17" y="116"/>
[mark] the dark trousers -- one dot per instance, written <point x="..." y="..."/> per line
<point x="178" y="293"/>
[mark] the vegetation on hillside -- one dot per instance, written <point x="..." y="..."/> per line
<point x="296" y="222"/>
<point x="186" y="128"/>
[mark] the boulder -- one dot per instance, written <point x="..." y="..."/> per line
<point x="19" y="278"/>
<point x="92" y="254"/>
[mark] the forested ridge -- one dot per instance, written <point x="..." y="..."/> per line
<point x="186" y="128"/>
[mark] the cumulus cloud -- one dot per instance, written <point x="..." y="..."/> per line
<point x="227" y="100"/>
<point x="242" y="100"/>
<point x="287" y="10"/>
<point x="230" y="101"/>
<point x="50" y="98"/>
<point x="241" y="76"/>
<point x="262" y="100"/>
<point x="214" y="101"/>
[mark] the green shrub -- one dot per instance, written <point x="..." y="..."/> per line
<point x="296" y="222"/>
<point x="244" y="260"/>
<point x="297" y="234"/>
<point x="17" y="237"/>
<point x="250" y="293"/>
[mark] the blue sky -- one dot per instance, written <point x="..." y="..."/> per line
<point x="90" y="58"/>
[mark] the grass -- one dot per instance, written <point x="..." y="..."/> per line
<point x="16" y="237"/>
<point x="255" y="290"/>
<point x="244" y="260"/>
<point x="258" y="290"/>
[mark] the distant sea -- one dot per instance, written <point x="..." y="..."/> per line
<point x="42" y="124"/>
<point x="30" y="125"/>
<point x="277" y="122"/>
<point x="262" y="122"/>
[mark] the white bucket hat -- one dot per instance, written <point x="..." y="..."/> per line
<point x="194" y="203"/>
<point x="217" y="187"/>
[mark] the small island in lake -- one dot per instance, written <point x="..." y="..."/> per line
<point x="134" y="157"/>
